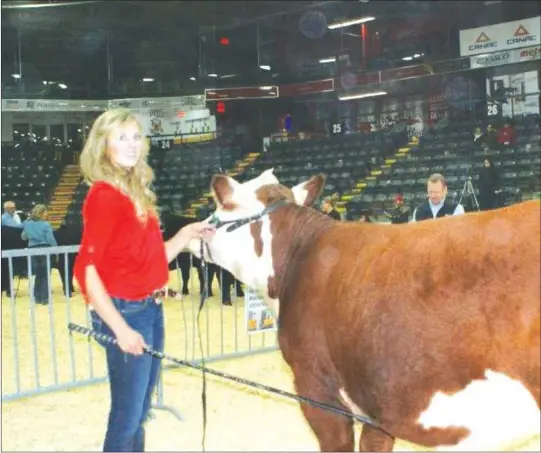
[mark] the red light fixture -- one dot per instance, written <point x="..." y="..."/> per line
<point x="220" y="107"/>
<point x="224" y="41"/>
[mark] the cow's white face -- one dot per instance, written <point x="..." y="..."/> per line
<point x="237" y="250"/>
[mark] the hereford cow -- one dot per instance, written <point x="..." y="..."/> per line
<point x="430" y="329"/>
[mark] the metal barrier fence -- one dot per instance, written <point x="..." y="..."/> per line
<point x="39" y="355"/>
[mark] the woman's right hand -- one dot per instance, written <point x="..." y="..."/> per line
<point x="130" y="341"/>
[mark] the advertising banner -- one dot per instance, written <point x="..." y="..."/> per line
<point x="505" y="57"/>
<point x="52" y="105"/>
<point x="257" y="315"/>
<point x="504" y="36"/>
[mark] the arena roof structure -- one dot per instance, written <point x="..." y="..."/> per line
<point x="103" y="49"/>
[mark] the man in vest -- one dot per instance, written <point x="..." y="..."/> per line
<point x="437" y="204"/>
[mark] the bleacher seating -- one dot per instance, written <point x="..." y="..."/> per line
<point x="30" y="172"/>
<point x="182" y="174"/>
<point x="344" y="159"/>
<point x="452" y="152"/>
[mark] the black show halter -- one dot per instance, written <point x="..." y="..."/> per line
<point x="234" y="224"/>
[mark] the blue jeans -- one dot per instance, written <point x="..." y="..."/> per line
<point x="41" y="282"/>
<point x="132" y="379"/>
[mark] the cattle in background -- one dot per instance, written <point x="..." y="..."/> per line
<point x="67" y="235"/>
<point x="11" y="240"/>
<point x="431" y="329"/>
<point x="72" y="235"/>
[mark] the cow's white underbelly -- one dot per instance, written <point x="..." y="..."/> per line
<point x="498" y="411"/>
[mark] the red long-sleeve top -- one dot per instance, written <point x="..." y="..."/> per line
<point x="506" y="136"/>
<point x="128" y="254"/>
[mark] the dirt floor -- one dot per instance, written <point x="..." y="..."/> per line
<point x="239" y="418"/>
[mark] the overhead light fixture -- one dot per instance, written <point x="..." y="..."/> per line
<point x="148" y="79"/>
<point x="192" y="78"/>
<point x="46" y="5"/>
<point x="327" y="60"/>
<point x="347" y="23"/>
<point x="228" y="76"/>
<point x="266" y="88"/>
<point x="16" y="76"/>
<point x="362" y="95"/>
<point x="213" y="75"/>
<point x="265" y="67"/>
<point x="409" y="58"/>
<point x="62" y="85"/>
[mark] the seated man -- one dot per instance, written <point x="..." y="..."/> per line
<point x="506" y="136"/>
<point x="400" y="214"/>
<point x="327" y="206"/>
<point x="10" y="218"/>
<point x="437" y="204"/>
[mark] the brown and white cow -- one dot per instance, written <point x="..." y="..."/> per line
<point x="432" y="329"/>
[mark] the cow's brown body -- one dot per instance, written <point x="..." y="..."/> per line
<point x="393" y="314"/>
<point x="399" y="322"/>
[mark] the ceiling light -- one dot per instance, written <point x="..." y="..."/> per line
<point x="62" y="85"/>
<point x="213" y="75"/>
<point x="361" y="96"/>
<point x="46" y="5"/>
<point x="407" y="58"/>
<point x="327" y="60"/>
<point x="148" y="79"/>
<point x="266" y="88"/>
<point x="417" y="55"/>
<point x="347" y="23"/>
<point x="192" y="78"/>
<point x="265" y="67"/>
<point x="16" y="76"/>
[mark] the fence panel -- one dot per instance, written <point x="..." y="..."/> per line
<point x="41" y="355"/>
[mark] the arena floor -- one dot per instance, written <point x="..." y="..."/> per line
<point x="239" y="418"/>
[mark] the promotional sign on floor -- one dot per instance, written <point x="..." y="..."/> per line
<point x="256" y="313"/>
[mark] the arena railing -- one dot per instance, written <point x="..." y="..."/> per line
<point x="41" y="356"/>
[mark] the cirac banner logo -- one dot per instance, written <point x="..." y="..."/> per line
<point x="500" y="37"/>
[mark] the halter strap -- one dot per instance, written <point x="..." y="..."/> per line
<point x="234" y="224"/>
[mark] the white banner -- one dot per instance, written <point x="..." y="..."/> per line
<point x="158" y="122"/>
<point x="52" y="105"/>
<point x="506" y="57"/>
<point x="179" y="102"/>
<point x="257" y="315"/>
<point x="504" y="36"/>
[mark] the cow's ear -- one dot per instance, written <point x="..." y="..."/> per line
<point x="306" y="193"/>
<point x="223" y="187"/>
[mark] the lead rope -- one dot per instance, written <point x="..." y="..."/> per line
<point x="202" y="298"/>
<point x="72" y="327"/>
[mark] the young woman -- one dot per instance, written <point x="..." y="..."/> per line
<point x="121" y="263"/>
<point x="39" y="233"/>
<point x="489" y="181"/>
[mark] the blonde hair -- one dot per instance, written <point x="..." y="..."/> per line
<point x="37" y="212"/>
<point x="97" y="166"/>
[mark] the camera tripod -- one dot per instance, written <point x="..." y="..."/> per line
<point x="469" y="191"/>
